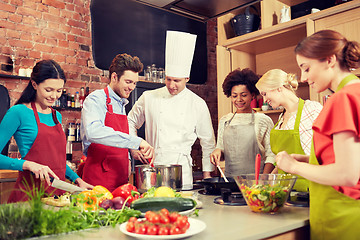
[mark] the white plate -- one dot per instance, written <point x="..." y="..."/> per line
<point x="196" y="226"/>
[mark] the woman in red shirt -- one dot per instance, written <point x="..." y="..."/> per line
<point x="325" y="59"/>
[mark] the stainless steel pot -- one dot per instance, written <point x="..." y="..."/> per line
<point x="159" y="175"/>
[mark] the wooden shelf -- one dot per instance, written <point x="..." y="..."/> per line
<point x="273" y="46"/>
<point x="13" y="77"/>
<point x="282" y="34"/>
<point x="272" y="111"/>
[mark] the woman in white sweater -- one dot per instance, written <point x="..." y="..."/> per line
<point x="245" y="133"/>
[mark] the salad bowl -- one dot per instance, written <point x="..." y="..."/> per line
<point x="267" y="194"/>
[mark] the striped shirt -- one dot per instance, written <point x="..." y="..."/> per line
<point x="309" y="113"/>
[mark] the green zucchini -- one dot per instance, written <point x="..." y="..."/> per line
<point x="173" y="204"/>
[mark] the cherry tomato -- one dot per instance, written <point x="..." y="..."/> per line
<point x="130" y="227"/>
<point x="152" y="230"/>
<point x="132" y="219"/>
<point x="187" y="225"/>
<point x="163" y="230"/>
<point x="148" y="215"/>
<point x="164" y="219"/>
<point x="154" y="218"/>
<point x="173" y="216"/>
<point x="181" y="222"/>
<point x="164" y="212"/>
<point x="174" y="230"/>
<point x="141" y="229"/>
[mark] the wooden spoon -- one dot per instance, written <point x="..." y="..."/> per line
<point x="222" y="174"/>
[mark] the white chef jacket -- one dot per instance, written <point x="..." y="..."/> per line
<point x="173" y="123"/>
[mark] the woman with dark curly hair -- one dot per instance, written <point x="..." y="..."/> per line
<point x="245" y="133"/>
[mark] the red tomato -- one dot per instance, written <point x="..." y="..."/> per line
<point x="130" y="227"/>
<point x="187" y="225"/>
<point x="132" y="219"/>
<point x="181" y="222"/>
<point x="154" y="218"/>
<point x="149" y="214"/>
<point x="141" y="229"/>
<point x="164" y="219"/>
<point x="152" y="230"/>
<point x="163" y="230"/>
<point x="165" y="212"/>
<point x="173" y="216"/>
<point x="174" y="230"/>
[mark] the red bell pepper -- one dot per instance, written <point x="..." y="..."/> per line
<point x="126" y="191"/>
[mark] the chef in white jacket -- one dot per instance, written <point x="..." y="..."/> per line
<point x="174" y="116"/>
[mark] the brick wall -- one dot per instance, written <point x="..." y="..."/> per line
<point x="32" y="30"/>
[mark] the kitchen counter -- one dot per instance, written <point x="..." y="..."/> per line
<point x="226" y="222"/>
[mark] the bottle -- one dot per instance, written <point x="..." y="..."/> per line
<point x="71" y="132"/>
<point x="161" y="75"/>
<point x="77" y="100"/>
<point x="265" y="106"/>
<point x="72" y="100"/>
<point x="69" y="151"/>
<point x="87" y="91"/>
<point x="147" y="73"/>
<point x="63" y="99"/>
<point x="153" y="73"/>
<point x="82" y="96"/>
<point x="68" y="100"/>
<point x="77" y="133"/>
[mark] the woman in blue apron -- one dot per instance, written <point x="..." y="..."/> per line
<point x="325" y="59"/>
<point x="244" y="133"/>
<point x="293" y="131"/>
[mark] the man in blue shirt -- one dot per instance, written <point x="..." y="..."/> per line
<point x="105" y="130"/>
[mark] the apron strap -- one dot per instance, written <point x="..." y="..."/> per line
<point x="345" y="81"/>
<point x="54" y="116"/>
<point x="108" y="101"/>
<point x="298" y="114"/>
<point x="35" y="113"/>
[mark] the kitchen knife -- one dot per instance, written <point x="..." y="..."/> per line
<point x="65" y="186"/>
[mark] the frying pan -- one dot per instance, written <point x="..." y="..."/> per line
<point x="214" y="185"/>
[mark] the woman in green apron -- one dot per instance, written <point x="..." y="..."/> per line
<point x="325" y="59"/>
<point x="293" y="131"/>
<point x="244" y="133"/>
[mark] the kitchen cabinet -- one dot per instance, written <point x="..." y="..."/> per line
<point x="7" y="183"/>
<point x="273" y="45"/>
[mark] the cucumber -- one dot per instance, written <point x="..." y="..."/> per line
<point x="173" y="204"/>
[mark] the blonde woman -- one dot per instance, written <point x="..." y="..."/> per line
<point x="293" y="131"/>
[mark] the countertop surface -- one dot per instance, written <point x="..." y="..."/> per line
<point x="222" y="222"/>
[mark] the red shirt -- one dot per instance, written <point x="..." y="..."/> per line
<point x="340" y="113"/>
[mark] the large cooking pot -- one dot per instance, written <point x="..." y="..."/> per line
<point x="159" y="175"/>
<point x="214" y="185"/>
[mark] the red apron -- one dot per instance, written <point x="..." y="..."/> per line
<point x="49" y="148"/>
<point x="105" y="165"/>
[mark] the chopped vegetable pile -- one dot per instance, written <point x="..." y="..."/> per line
<point x="265" y="198"/>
